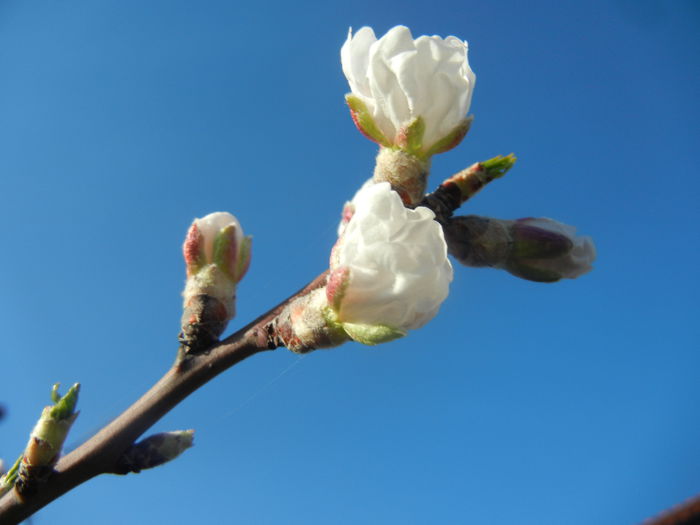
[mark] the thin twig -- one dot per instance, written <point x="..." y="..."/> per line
<point x="686" y="513"/>
<point x="99" y="454"/>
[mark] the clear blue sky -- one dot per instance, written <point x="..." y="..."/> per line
<point x="525" y="403"/>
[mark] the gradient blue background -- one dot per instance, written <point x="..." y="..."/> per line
<point x="525" y="403"/>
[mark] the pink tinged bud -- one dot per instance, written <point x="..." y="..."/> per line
<point x="193" y="249"/>
<point x="219" y="255"/>
<point x="210" y="227"/>
<point x="338" y="281"/>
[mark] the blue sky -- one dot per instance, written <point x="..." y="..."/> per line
<point x="523" y="403"/>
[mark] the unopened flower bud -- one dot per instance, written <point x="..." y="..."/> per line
<point x="154" y="451"/>
<point x="217" y="255"/>
<point x="547" y="250"/>
<point x="389" y="269"/>
<point x="46" y="439"/>
<point x="539" y="249"/>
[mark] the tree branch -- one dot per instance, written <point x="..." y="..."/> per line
<point x="685" y="513"/>
<point x="99" y="454"/>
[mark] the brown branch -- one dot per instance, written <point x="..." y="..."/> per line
<point x="685" y="513"/>
<point x="99" y="454"/>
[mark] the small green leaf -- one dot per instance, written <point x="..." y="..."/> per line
<point x="65" y="406"/>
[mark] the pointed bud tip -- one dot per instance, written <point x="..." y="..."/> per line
<point x="499" y="165"/>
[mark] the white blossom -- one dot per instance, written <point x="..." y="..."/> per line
<point x="393" y="261"/>
<point x="399" y="79"/>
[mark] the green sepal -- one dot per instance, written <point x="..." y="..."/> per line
<point x="334" y="328"/>
<point x="65" y="406"/>
<point x="225" y="250"/>
<point x="452" y="139"/>
<point x="243" y="259"/>
<point x="372" y="334"/>
<point x="364" y="121"/>
<point x="410" y="139"/>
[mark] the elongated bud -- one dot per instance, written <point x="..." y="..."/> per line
<point x="541" y="249"/>
<point x="217" y="257"/>
<point x="460" y="187"/>
<point x="46" y="440"/>
<point x="154" y="450"/>
<point x="471" y="180"/>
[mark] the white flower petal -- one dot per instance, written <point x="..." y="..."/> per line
<point x="210" y="225"/>
<point x="400" y="79"/>
<point x="397" y="257"/>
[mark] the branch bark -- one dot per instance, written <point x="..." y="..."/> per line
<point x="686" y="513"/>
<point x="99" y="454"/>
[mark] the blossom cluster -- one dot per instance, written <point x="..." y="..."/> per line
<point x="389" y="269"/>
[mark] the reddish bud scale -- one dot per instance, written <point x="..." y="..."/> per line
<point x="356" y="119"/>
<point x="469" y="181"/>
<point x="401" y="138"/>
<point x="348" y="212"/>
<point x="457" y="138"/>
<point x="192" y="249"/>
<point x="337" y="284"/>
<point x="456" y="141"/>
